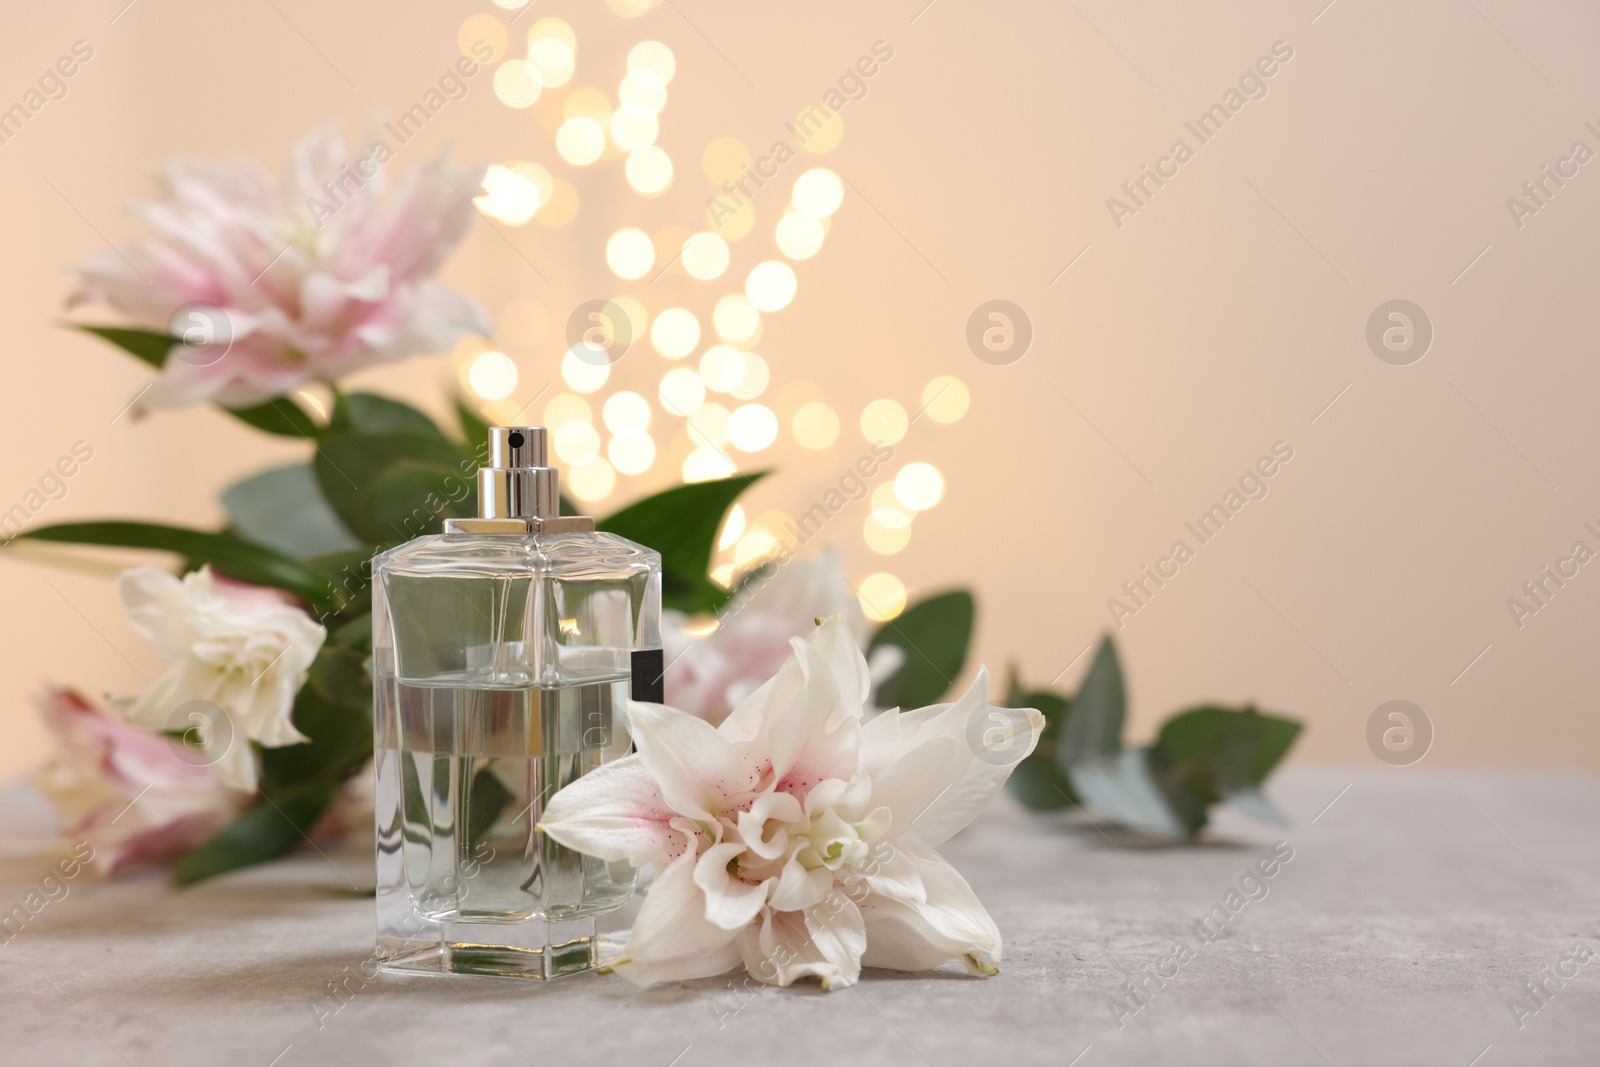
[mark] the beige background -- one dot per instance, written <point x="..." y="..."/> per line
<point x="1220" y="319"/>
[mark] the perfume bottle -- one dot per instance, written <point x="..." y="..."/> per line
<point x="504" y="652"/>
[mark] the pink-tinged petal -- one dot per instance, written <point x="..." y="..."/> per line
<point x="695" y="768"/>
<point x="950" y="924"/>
<point x="614" y="812"/>
<point x="913" y="784"/>
<point x="825" y="942"/>
<point x="672" y="938"/>
<point x="730" y="902"/>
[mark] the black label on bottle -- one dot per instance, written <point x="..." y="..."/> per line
<point x="649" y="675"/>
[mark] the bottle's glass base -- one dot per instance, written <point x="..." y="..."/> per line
<point x="538" y="950"/>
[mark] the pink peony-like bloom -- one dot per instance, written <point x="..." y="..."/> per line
<point x="708" y="675"/>
<point x="274" y="283"/>
<point x="128" y="793"/>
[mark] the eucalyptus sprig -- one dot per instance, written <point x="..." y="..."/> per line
<point x="1201" y="757"/>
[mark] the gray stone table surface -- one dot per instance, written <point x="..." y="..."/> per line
<point x="1402" y="930"/>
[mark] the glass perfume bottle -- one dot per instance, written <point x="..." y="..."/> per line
<point x="504" y="651"/>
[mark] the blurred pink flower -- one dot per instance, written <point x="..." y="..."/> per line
<point x="709" y="674"/>
<point x="128" y="793"/>
<point x="287" y="281"/>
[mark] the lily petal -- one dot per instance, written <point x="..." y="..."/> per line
<point x="825" y="942"/>
<point x="730" y="902"/>
<point x="694" y="767"/>
<point x="614" y="812"/>
<point x="950" y="924"/>
<point x="672" y="938"/>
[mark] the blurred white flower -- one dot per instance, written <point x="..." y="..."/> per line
<point x="795" y="838"/>
<point x="290" y="280"/>
<point x="709" y="675"/>
<point x="239" y="654"/>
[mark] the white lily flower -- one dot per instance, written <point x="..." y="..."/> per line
<point x="239" y="649"/>
<point x="797" y="838"/>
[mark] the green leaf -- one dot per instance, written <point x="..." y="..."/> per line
<point x="488" y="799"/>
<point x="145" y="344"/>
<point x="933" y="634"/>
<point x="411" y="498"/>
<point x="682" y="523"/>
<point x="355" y="635"/>
<point x="340" y="677"/>
<point x="1094" y="730"/>
<point x="349" y="574"/>
<point x="340" y="744"/>
<point x="284" y="509"/>
<point x="231" y="555"/>
<point x="348" y="465"/>
<point x="1237" y="747"/>
<point x="474" y="431"/>
<point x="1124" y="787"/>
<point x="265" y="832"/>
<point x="280" y="416"/>
<point x="1037" y="781"/>
<point x="370" y="413"/>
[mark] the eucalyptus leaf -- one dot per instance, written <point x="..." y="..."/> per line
<point x="1254" y="803"/>
<point x="340" y="677"/>
<point x="348" y="465"/>
<point x="682" y="523"/>
<point x="933" y="635"/>
<point x="1124" y="788"/>
<point x="487" y="798"/>
<point x="1094" y="730"/>
<point x="340" y="745"/>
<point x="1236" y="747"/>
<point x="265" y="832"/>
<point x="229" y="554"/>
<point x="147" y="345"/>
<point x="283" y="508"/>
<point x="412" y="498"/>
<point x="280" y="416"/>
<point x="349" y="574"/>
<point x="474" y="430"/>
<point x="1038" y="782"/>
<point x="355" y="635"/>
<point x="371" y="413"/>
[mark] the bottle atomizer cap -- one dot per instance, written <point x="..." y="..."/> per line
<point x="518" y="492"/>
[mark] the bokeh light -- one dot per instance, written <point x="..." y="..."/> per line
<point x="725" y="159"/>
<point x="630" y="254"/>
<point x="682" y="392"/>
<point x="551" y="27"/>
<point x="816" y="425"/>
<point x="757" y="376"/>
<point x="507" y="195"/>
<point x="675" y="333"/>
<point x="649" y="171"/>
<point x="709" y="427"/>
<point x="887" y="531"/>
<point x="732" y="527"/>
<point x="644" y="90"/>
<point x="576" y="441"/>
<point x="492" y="375"/>
<point x="722" y="368"/>
<point x="705" y="256"/>
<point x="581" y="375"/>
<point x="592" y="479"/>
<point x="754" y="547"/>
<point x="883" y="596"/>
<point x="632" y="452"/>
<point x="818" y="192"/>
<point x="884" y="422"/>
<point x="633" y="127"/>
<point x="799" y="236"/>
<point x="945" y="399"/>
<point x="752" y="427"/>
<point x="704" y="464"/>
<point x="563" y="205"/>
<point x="919" y="486"/>
<point x="654" y="57"/>
<point x="517" y="83"/>
<point x="626" y="411"/>
<point x="482" y="29"/>
<point x="736" y="319"/>
<point x="564" y="408"/>
<point x="554" y="59"/>
<point x="819" y="137"/>
<point x="580" y="140"/>
<point x="631" y="9"/>
<point x="771" y="285"/>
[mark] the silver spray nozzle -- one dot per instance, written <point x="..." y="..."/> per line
<point x="517" y="484"/>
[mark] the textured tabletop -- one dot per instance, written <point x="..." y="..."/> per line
<point x="1399" y="925"/>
